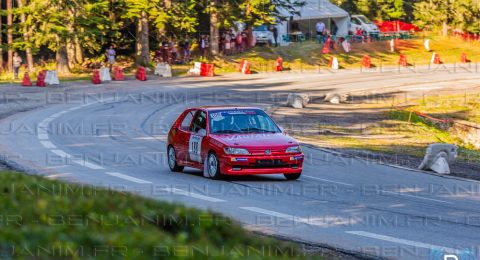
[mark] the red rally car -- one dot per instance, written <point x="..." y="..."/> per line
<point x="232" y="141"/>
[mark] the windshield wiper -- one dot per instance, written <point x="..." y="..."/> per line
<point x="253" y="129"/>
<point x="227" y="132"/>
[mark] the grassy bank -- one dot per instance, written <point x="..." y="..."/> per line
<point x="307" y="56"/>
<point x="381" y="128"/>
<point x="49" y="219"/>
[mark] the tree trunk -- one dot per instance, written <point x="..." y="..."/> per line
<point x="214" y="29"/>
<point x="1" y="41"/>
<point x="10" y="34"/>
<point x="62" y="59"/>
<point x="142" y="48"/>
<point x="78" y="50"/>
<point x="26" y="38"/>
<point x="70" y="48"/>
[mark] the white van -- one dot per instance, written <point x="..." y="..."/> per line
<point x="362" y="22"/>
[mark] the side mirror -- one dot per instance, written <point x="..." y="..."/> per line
<point x="202" y="132"/>
<point x="283" y="130"/>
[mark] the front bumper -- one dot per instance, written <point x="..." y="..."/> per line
<point x="251" y="165"/>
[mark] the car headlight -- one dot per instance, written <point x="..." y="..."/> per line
<point x="236" y="151"/>
<point x="294" y="149"/>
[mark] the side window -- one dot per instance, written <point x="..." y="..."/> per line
<point x="187" y="120"/>
<point x="199" y="121"/>
<point x="356" y="21"/>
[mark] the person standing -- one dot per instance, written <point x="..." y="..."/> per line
<point x="111" y="56"/>
<point x="186" y="50"/>
<point x="17" y="62"/>
<point x="320" y="28"/>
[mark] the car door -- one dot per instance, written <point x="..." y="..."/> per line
<point x="184" y="133"/>
<point x="197" y="136"/>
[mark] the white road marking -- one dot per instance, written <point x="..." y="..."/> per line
<point x="403" y="241"/>
<point x="320" y="179"/>
<point x="56" y="176"/>
<point x="414" y="196"/>
<point x="88" y="164"/>
<point x="272" y="213"/>
<point x="128" y="178"/>
<point x="192" y="194"/>
<point x="48" y="145"/>
<point x="61" y="153"/>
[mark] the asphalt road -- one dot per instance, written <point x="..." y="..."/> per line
<point x="114" y="137"/>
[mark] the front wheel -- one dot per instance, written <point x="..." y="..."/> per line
<point x="172" y="160"/>
<point x="213" y="166"/>
<point x="292" y="177"/>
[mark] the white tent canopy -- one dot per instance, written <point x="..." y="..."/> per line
<point x="314" y="11"/>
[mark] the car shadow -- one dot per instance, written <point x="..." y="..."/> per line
<point x="246" y="178"/>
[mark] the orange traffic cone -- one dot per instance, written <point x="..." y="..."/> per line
<point x="41" y="78"/>
<point x="118" y="74"/>
<point x="141" y="73"/>
<point x="464" y="58"/>
<point x="436" y="59"/>
<point x="366" y="62"/>
<point x="240" y="66"/>
<point x="245" y="67"/>
<point x="326" y="49"/>
<point x="26" y="82"/>
<point x="96" y="77"/>
<point x="279" y="64"/>
<point x="403" y="60"/>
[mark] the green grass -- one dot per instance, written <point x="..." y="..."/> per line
<point x="399" y="132"/>
<point x="456" y="106"/>
<point x="307" y="56"/>
<point x="49" y="219"/>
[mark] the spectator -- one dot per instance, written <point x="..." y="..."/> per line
<point x="173" y="50"/>
<point x="204" y="45"/>
<point x="244" y="40"/>
<point x="111" y="56"/>
<point x="17" y="62"/>
<point x="228" y="38"/>
<point x="320" y="28"/>
<point x="165" y="51"/>
<point x="274" y="30"/>
<point x="186" y="50"/>
<point x="239" y="42"/>
<point x="158" y="55"/>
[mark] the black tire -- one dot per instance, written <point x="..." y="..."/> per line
<point x="213" y="166"/>
<point x="292" y="177"/>
<point x="172" y="160"/>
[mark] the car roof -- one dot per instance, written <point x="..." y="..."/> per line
<point x="216" y="108"/>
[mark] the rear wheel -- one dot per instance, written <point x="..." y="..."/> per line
<point x="292" y="177"/>
<point x="172" y="160"/>
<point x="213" y="166"/>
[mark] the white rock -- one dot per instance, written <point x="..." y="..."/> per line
<point x="51" y="78"/>
<point x="297" y="100"/>
<point x="439" y="157"/>
<point x="105" y="74"/>
<point x="335" y="98"/>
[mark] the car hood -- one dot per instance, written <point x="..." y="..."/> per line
<point x="279" y="140"/>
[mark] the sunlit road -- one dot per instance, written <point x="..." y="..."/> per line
<point x="115" y="137"/>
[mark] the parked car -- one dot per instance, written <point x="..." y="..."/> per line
<point x="363" y="23"/>
<point x="232" y="141"/>
<point x="263" y="35"/>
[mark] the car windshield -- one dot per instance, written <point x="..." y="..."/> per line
<point x="364" y="19"/>
<point x="261" y="28"/>
<point x="241" y="121"/>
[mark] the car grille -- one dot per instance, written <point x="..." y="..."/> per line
<point x="274" y="151"/>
